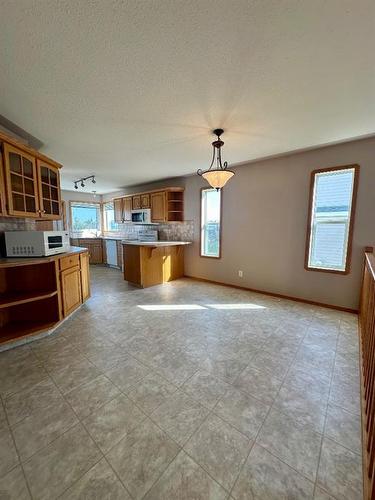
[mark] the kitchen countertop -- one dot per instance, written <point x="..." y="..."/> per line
<point x="117" y="238"/>
<point x="26" y="261"/>
<point x="155" y="243"/>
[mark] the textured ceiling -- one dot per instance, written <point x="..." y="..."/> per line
<point x="129" y="90"/>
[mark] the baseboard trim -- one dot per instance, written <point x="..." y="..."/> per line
<point x="278" y="295"/>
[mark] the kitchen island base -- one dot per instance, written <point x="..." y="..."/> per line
<point x="147" y="265"/>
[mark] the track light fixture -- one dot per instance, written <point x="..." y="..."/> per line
<point x="82" y="181"/>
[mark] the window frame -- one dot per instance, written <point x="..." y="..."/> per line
<point x="104" y="218"/>
<point x="351" y="221"/>
<point x="71" y="206"/>
<point x="200" y="224"/>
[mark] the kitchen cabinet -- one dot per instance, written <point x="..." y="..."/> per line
<point x="38" y="292"/>
<point x="70" y="280"/>
<point x="122" y="209"/>
<point x="158" y="213"/>
<point x="145" y="200"/>
<point x="85" y="275"/>
<point x="94" y="247"/>
<point x="167" y="205"/>
<point x="49" y="190"/>
<point x="136" y="202"/>
<point x="21" y="182"/>
<point x="141" y="201"/>
<point x="29" y="182"/>
<point x="2" y="188"/>
<point x="147" y="265"/>
<point x="118" y="209"/>
<point x="127" y="209"/>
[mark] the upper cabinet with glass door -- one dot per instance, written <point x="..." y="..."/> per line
<point x="30" y="182"/>
<point x="21" y="182"/>
<point x="49" y="190"/>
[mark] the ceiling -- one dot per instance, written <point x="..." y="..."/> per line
<point x="129" y="90"/>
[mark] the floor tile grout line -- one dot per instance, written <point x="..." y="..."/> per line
<point x="261" y="426"/>
<point x="161" y="474"/>
<point x="102" y="455"/>
<point x="316" y="484"/>
<point x="168" y="381"/>
<point x="117" y="475"/>
<point x="79" y="422"/>
<point x="264" y="420"/>
<point x="18" y="455"/>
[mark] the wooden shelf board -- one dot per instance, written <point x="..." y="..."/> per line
<point x="16" y="298"/>
<point x="175" y="201"/>
<point x="18" y="330"/>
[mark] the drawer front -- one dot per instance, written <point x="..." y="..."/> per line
<point x="69" y="261"/>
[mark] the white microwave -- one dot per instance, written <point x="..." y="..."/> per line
<point x="36" y="243"/>
<point x="142" y="216"/>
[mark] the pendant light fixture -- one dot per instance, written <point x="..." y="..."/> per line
<point x="217" y="175"/>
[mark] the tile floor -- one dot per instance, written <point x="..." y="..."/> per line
<point x="183" y="391"/>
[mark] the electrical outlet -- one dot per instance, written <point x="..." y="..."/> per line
<point x="240" y="274"/>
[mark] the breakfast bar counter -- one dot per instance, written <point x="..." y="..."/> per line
<point x="149" y="263"/>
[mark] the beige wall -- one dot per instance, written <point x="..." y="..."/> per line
<point x="172" y="182"/>
<point x="264" y="225"/>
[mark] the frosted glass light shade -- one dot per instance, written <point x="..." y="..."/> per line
<point x="217" y="178"/>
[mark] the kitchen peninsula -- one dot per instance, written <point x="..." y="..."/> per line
<point x="152" y="263"/>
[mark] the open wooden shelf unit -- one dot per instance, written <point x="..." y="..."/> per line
<point x="29" y="299"/>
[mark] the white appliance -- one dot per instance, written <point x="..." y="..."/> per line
<point x="111" y="251"/>
<point x="36" y="243"/>
<point x="142" y="216"/>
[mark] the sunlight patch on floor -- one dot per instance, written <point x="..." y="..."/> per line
<point x="235" y="306"/>
<point x="171" y="307"/>
<point x="192" y="307"/>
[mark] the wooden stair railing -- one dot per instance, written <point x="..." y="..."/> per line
<point x="367" y="360"/>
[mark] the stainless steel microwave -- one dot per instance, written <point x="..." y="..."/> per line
<point x="36" y="243"/>
<point x="142" y="216"/>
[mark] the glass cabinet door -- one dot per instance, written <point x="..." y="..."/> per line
<point x="49" y="190"/>
<point x="20" y="173"/>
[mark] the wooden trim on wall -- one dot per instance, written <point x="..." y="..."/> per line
<point x="351" y="223"/>
<point x="278" y="295"/>
<point x="200" y="225"/>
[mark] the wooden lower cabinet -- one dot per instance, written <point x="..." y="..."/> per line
<point x="94" y="247"/>
<point x="85" y="276"/>
<point x="37" y="293"/>
<point x="146" y="266"/>
<point x="71" y="291"/>
<point x="74" y="281"/>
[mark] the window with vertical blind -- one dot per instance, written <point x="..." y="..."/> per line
<point x="331" y="219"/>
<point x="210" y="223"/>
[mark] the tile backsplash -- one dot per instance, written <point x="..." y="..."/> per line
<point x="16" y="224"/>
<point x="181" y="231"/>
